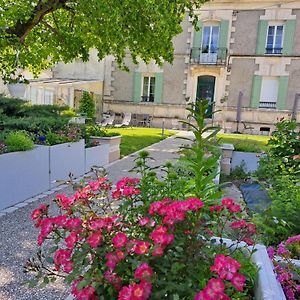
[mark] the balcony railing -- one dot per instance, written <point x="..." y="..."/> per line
<point x="267" y="105"/>
<point x="148" y="98"/>
<point x="277" y="51"/>
<point x="204" y="56"/>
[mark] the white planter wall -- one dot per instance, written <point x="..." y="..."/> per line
<point x="29" y="173"/>
<point x="96" y="156"/>
<point x="267" y="287"/>
<point x="23" y="175"/>
<point x="65" y="159"/>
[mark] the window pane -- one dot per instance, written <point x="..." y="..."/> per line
<point x="205" y="40"/>
<point x="152" y="86"/>
<point x="214" y="39"/>
<point x="145" y="86"/>
<point x="278" y="39"/>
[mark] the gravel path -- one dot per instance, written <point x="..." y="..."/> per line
<point x="18" y="235"/>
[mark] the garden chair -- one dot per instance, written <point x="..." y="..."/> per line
<point x="126" y="120"/>
<point x="107" y="121"/>
<point x="146" y="122"/>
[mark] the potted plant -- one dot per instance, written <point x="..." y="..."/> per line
<point x="16" y="85"/>
<point x="98" y="136"/>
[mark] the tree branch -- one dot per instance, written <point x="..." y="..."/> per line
<point x="23" y="28"/>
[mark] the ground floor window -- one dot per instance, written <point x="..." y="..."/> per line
<point x="269" y="92"/>
<point x="148" y="89"/>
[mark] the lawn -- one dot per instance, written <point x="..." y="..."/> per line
<point x="134" y="139"/>
<point x="245" y="142"/>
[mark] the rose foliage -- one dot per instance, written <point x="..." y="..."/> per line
<point x="111" y="243"/>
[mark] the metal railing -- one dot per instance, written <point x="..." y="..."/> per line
<point x="217" y="56"/>
<point x="267" y="105"/>
<point x="147" y="98"/>
<point x="273" y="50"/>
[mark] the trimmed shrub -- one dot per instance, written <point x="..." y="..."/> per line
<point x="87" y="105"/>
<point x="18" y="141"/>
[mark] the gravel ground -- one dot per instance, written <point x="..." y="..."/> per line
<point x="18" y="235"/>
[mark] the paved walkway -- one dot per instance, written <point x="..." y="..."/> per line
<point x="18" y="235"/>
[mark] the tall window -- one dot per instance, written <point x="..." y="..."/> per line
<point x="274" y="39"/>
<point x="269" y="92"/>
<point x="210" y="39"/>
<point x="148" y="89"/>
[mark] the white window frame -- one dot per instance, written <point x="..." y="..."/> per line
<point x="275" y="24"/>
<point x="147" y="76"/>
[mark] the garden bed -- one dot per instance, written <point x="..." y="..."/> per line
<point x="25" y="174"/>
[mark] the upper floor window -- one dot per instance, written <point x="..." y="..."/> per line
<point x="210" y="38"/>
<point x="274" y="39"/>
<point x="148" y="89"/>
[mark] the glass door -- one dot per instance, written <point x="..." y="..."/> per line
<point x="210" y="41"/>
<point x="206" y="91"/>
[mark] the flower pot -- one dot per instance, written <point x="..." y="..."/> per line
<point x="17" y="90"/>
<point x="23" y="174"/>
<point x="114" y="145"/>
<point x="96" y="156"/>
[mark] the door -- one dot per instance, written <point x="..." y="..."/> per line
<point x="206" y="90"/>
<point x="210" y="41"/>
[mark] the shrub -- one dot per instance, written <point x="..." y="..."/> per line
<point x="161" y="249"/>
<point x="41" y="110"/>
<point x="87" y="105"/>
<point x="34" y="125"/>
<point x="10" y="106"/>
<point x="18" y="141"/>
<point x="68" y="134"/>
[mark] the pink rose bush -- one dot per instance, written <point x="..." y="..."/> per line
<point x="143" y="250"/>
<point x="287" y="272"/>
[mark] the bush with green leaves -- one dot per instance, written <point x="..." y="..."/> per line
<point x="34" y="125"/>
<point x="10" y="106"/>
<point x="29" y="110"/>
<point x="284" y="150"/>
<point x="18" y="141"/>
<point x="280" y="169"/>
<point x="87" y="105"/>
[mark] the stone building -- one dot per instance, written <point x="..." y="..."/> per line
<point x="244" y="58"/>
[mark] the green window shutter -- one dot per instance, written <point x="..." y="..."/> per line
<point x="137" y="87"/>
<point x="223" y="39"/>
<point x="158" y="87"/>
<point x="262" y="37"/>
<point x="197" y="41"/>
<point x="282" y="92"/>
<point x="256" y="90"/>
<point x="289" y="32"/>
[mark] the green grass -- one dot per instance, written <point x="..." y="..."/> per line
<point x="134" y="139"/>
<point x="245" y="142"/>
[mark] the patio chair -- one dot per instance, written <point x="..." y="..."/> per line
<point x="146" y="121"/>
<point x="107" y="121"/>
<point x="126" y="120"/>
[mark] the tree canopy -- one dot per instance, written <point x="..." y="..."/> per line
<point x="35" y="34"/>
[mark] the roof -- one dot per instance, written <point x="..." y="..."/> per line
<point x="62" y="81"/>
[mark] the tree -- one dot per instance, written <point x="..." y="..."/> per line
<point x="35" y="34"/>
<point x="87" y="105"/>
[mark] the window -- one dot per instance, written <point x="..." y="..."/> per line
<point x="48" y="97"/>
<point x="274" y="39"/>
<point x="269" y="92"/>
<point x="210" y="39"/>
<point x="148" y="89"/>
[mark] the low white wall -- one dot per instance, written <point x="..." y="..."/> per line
<point x="96" y="156"/>
<point x="65" y="159"/>
<point x="23" y="175"/>
<point x="251" y="160"/>
<point x="29" y="173"/>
